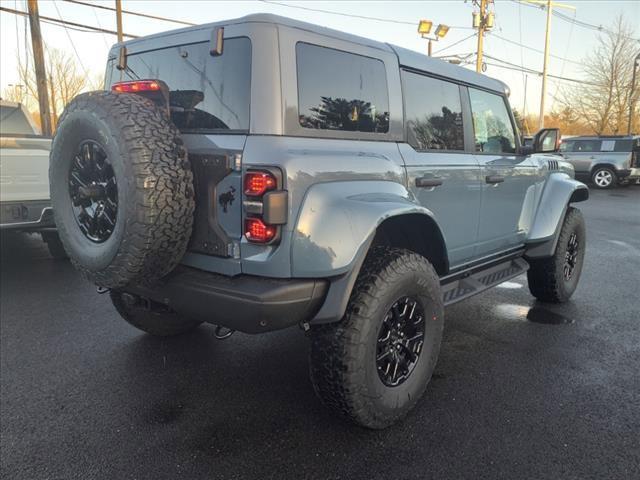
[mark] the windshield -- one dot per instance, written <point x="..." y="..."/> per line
<point x="207" y="93"/>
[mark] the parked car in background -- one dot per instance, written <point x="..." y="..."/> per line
<point x="604" y="160"/>
<point x="24" y="177"/>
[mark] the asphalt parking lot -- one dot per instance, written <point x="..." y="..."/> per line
<point x="521" y="390"/>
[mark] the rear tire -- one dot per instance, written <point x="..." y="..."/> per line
<point x="151" y="317"/>
<point x="554" y="279"/>
<point x="54" y="245"/>
<point x="349" y="359"/>
<point x="604" y="177"/>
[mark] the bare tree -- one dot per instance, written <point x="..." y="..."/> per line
<point x="602" y="102"/>
<point x="64" y="80"/>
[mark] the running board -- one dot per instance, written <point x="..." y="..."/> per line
<point x="476" y="282"/>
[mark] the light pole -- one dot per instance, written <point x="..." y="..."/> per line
<point x="18" y="88"/>
<point x="636" y="64"/>
<point x="424" y="29"/>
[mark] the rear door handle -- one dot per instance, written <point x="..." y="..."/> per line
<point x="428" y="182"/>
<point x="493" y="179"/>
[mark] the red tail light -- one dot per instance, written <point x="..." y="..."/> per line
<point x="257" y="184"/>
<point x="136" y="86"/>
<point x="257" y="231"/>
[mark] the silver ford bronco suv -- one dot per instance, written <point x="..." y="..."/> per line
<point x="262" y="173"/>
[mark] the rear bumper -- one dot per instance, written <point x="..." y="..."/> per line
<point x="26" y="215"/>
<point x="245" y="303"/>
<point x="634" y="173"/>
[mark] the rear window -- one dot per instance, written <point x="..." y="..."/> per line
<point x="341" y="91"/>
<point x="207" y="94"/>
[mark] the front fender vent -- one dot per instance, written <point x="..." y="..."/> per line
<point x="553" y="165"/>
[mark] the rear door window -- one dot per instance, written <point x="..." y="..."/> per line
<point x="492" y="125"/>
<point x="207" y="93"/>
<point x="341" y="91"/>
<point x="433" y="113"/>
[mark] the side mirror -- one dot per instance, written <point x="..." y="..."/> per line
<point x="546" y="140"/>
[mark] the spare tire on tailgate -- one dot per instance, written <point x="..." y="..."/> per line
<point x="121" y="189"/>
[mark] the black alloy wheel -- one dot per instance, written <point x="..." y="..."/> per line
<point x="93" y="191"/>
<point x="571" y="256"/>
<point x="400" y="341"/>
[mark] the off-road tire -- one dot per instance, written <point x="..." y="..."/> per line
<point x="607" y="170"/>
<point x="343" y="354"/>
<point x="152" y="318"/>
<point x="154" y="188"/>
<point x="546" y="275"/>
<point x="54" y="245"/>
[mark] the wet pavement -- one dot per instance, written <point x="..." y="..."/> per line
<point x="521" y="390"/>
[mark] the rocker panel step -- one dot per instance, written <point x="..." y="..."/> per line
<point x="482" y="280"/>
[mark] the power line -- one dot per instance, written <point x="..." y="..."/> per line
<point x="456" y="43"/>
<point x="513" y="42"/>
<point x="104" y="37"/>
<point x="513" y="66"/>
<point x="129" y="12"/>
<point x="575" y="21"/>
<point x="72" y="25"/>
<point x="364" y="17"/>
<point x="73" y="45"/>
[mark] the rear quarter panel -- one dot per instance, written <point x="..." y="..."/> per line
<point x="335" y="169"/>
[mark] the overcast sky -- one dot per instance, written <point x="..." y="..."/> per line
<point x="515" y="22"/>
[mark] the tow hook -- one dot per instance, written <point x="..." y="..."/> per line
<point x="222" y="333"/>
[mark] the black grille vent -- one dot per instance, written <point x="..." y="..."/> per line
<point x="553" y="165"/>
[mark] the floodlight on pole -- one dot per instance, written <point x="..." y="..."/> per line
<point x="424" y="29"/>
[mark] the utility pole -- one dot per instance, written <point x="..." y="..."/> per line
<point x="549" y="4"/>
<point x="546" y="62"/>
<point x="41" y="74"/>
<point x="119" y="20"/>
<point x="481" y="28"/>
<point x="636" y="65"/>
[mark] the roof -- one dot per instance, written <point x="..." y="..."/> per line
<point x="407" y="58"/>
<point x="603" y="137"/>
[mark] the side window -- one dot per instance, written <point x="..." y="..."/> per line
<point x="607" y="145"/>
<point x="587" y="146"/>
<point x="433" y="113"/>
<point x="341" y="91"/>
<point x="567" y="145"/>
<point x="492" y="124"/>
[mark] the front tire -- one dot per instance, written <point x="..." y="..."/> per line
<point x="554" y="279"/>
<point x="374" y="365"/>
<point x="604" y="177"/>
<point x="150" y="317"/>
